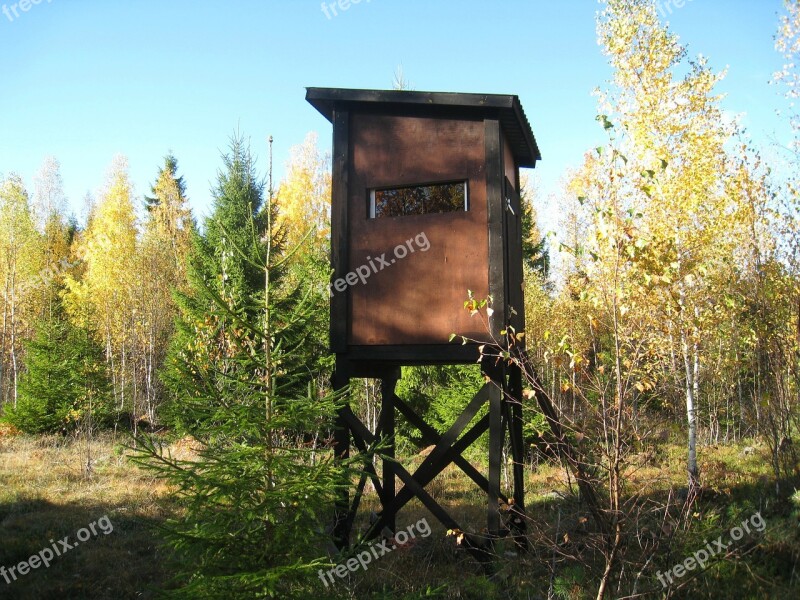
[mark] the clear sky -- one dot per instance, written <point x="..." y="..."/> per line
<point x="86" y="80"/>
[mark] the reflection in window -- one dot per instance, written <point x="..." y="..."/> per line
<point x="418" y="200"/>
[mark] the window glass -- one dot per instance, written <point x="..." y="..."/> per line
<point x="418" y="200"/>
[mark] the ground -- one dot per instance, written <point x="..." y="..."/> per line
<point x="47" y="493"/>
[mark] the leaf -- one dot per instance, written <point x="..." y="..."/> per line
<point x="607" y="124"/>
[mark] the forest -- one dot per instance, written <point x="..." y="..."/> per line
<point x="172" y="375"/>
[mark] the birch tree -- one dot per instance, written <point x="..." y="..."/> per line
<point x="161" y="263"/>
<point x="102" y="298"/>
<point x="675" y="134"/>
<point x="20" y="262"/>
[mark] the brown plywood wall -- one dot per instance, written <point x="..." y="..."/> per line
<point x="417" y="299"/>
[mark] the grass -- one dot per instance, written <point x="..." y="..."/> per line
<point x="46" y="494"/>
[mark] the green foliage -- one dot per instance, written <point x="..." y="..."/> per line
<point x="223" y="275"/>
<point x="255" y="500"/>
<point x="534" y="422"/>
<point x="167" y="178"/>
<point x="535" y="251"/>
<point x="571" y="584"/>
<point x="479" y="587"/>
<point x="440" y="393"/>
<point x="459" y="383"/>
<point x="254" y="512"/>
<point x="222" y="252"/>
<point x="66" y="381"/>
<point x="430" y="592"/>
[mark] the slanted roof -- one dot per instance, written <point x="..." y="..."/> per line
<point x="506" y="108"/>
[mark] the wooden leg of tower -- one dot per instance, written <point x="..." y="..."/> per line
<point x="341" y="448"/>
<point x="517" y="517"/>
<point x="496" y="436"/>
<point x="387" y="432"/>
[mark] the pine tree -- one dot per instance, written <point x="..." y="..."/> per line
<point x="237" y="213"/>
<point x="535" y="253"/>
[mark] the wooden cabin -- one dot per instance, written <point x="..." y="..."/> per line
<point x="425" y="206"/>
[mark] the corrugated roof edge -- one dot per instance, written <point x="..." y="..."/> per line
<point x="512" y="115"/>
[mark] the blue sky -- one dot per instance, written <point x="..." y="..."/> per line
<point x="87" y="80"/>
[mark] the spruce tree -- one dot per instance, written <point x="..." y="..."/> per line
<point x="66" y="381"/>
<point x="242" y="385"/>
<point x="167" y="184"/>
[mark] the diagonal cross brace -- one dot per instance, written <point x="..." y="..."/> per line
<point x="451" y="435"/>
<point x="431" y="436"/>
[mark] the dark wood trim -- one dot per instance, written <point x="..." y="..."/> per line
<point x="340" y="229"/>
<point x="431" y="437"/>
<point x="372" y="357"/>
<point x="386" y="426"/>
<point x="514" y="274"/>
<point x="496" y="215"/>
<point x="323" y="96"/>
<point x="504" y="107"/>
<point x="496" y="439"/>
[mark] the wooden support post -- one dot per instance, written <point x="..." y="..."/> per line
<point x="515" y="434"/>
<point x="431" y="438"/>
<point x="341" y="448"/>
<point x="386" y="426"/>
<point x="496" y="438"/>
<point x="497" y="388"/>
<point x="516" y="520"/>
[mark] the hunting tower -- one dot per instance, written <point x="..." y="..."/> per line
<point x="425" y="206"/>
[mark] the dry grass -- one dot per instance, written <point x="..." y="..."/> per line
<point x="436" y="562"/>
<point x="45" y="493"/>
